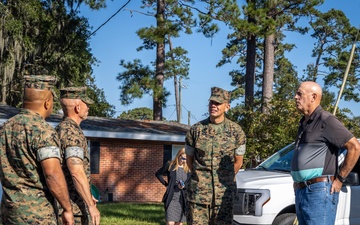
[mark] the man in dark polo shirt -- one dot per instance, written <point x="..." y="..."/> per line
<point x="314" y="167"/>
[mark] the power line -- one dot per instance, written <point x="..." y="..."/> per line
<point x="172" y="113"/>
<point x="191" y="115"/>
<point x="110" y="18"/>
<point x="72" y="41"/>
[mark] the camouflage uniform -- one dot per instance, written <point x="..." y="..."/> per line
<point x="212" y="186"/>
<point x="74" y="144"/>
<point x="76" y="93"/>
<point x="25" y="140"/>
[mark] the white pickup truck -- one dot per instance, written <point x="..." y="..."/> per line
<point x="265" y="194"/>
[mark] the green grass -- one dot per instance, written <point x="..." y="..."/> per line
<point x="131" y="214"/>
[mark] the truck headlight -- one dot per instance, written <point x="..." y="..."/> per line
<point x="250" y="201"/>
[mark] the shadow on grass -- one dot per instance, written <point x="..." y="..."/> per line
<point x="131" y="213"/>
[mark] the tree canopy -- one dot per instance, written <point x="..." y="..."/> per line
<point x="53" y="34"/>
<point x="142" y="113"/>
<point x="256" y="43"/>
<point x="172" y="18"/>
<point x="50" y="34"/>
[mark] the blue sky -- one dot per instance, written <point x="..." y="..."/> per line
<point x="117" y="40"/>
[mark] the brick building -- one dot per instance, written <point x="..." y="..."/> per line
<point x="125" y="154"/>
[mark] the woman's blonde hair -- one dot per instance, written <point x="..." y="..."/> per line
<point x="175" y="161"/>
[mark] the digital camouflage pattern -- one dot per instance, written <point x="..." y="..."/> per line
<point x="220" y="95"/>
<point x="26" y="197"/>
<point x="212" y="180"/>
<point x="71" y="135"/>
<point x="76" y="93"/>
<point x="213" y="160"/>
<point x="199" y="215"/>
<point x="41" y="82"/>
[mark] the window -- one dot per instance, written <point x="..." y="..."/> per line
<point x="170" y="152"/>
<point x="175" y="149"/>
<point x="94" y="157"/>
<point x="167" y="153"/>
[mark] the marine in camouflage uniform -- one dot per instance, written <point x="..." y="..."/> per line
<point x="26" y="141"/>
<point x="215" y="149"/>
<point x="75" y="153"/>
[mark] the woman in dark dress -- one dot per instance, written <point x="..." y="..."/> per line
<point x="174" y="199"/>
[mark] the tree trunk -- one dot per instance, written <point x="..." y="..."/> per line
<point x="268" y="79"/>
<point x="317" y="63"/>
<point x="250" y="72"/>
<point x="177" y="106"/>
<point x="12" y="57"/>
<point x="158" y="96"/>
<point x="250" y="65"/>
<point x="176" y="86"/>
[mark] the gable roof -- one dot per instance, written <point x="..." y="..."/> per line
<point x="101" y="127"/>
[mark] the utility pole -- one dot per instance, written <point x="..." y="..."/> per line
<point x="189" y="118"/>
<point x="344" y="79"/>
<point x="180" y="106"/>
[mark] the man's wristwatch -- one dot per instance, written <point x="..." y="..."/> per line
<point x="340" y="178"/>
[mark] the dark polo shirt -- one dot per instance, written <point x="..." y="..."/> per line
<point x="317" y="146"/>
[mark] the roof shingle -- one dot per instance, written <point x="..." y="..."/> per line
<point x="105" y="125"/>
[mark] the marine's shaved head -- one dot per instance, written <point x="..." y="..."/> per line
<point x="38" y="100"/>
<point x="75" y="109"/>
<point x="33" y="95"/>
<point x="68" y="105"/>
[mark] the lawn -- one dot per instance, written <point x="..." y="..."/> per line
<point x="131" y="214"/>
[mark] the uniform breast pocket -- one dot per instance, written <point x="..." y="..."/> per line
<point x="203" y="147"/>
<point x="203" y="150"/>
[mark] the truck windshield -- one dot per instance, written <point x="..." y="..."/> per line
<point x="279" y="161"/>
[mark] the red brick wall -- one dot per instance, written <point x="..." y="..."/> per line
<point x="127" y="170"/>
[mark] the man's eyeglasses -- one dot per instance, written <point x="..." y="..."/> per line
<point x="182" y="158"/>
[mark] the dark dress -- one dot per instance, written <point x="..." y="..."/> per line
<point x="174" y="199"/>
<point x="175" y="211"/>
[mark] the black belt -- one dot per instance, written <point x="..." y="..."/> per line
<point x="313" y="181"/>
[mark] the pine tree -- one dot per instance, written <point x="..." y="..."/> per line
<point x="49" y="34"/>
<point x="172" y="18"/>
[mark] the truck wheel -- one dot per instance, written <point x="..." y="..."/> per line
<point x="285" y="219"/>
